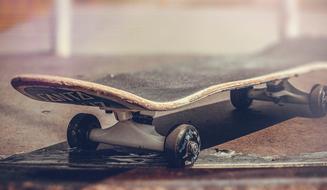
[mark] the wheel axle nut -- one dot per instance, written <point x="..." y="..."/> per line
<point x="193" y="148"/>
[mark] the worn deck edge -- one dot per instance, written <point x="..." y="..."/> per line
<point x="139" y="103"/>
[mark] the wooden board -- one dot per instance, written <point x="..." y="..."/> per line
<point x="66" y="90"/>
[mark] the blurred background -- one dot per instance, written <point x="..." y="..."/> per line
<point x="120" y="27"/>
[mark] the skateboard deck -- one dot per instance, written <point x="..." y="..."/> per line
<point x="181" y="82"/>
<point x="153" y="90"/>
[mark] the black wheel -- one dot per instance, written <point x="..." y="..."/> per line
<point x="318" y="100"/>
<point x="239" y="98"/>
<point x="78" y="131"/>
<point x="182" y="146"/>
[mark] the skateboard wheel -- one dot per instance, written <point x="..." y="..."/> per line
<point x="182" y="146"/>
<point x="318" y="100"/>
<point x="78" y="131"/>
<point x="239" y="98"/>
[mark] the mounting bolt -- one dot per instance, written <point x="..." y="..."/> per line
<point x="193" y="148"/>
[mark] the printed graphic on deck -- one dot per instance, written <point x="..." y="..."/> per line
<point x="69" y="97"/>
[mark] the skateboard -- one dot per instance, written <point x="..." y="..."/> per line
<point x="134" y="98"/>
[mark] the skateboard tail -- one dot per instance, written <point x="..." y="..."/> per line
<point x="72" y="91"/>
<point x="61" y="91"/>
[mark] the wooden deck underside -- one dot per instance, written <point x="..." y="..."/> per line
<point x="72" y="91"/>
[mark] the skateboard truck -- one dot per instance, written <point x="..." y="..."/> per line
<point x="281" y="92"/>
<point x="182" y="145"/>
<point x="135" y="130"/>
